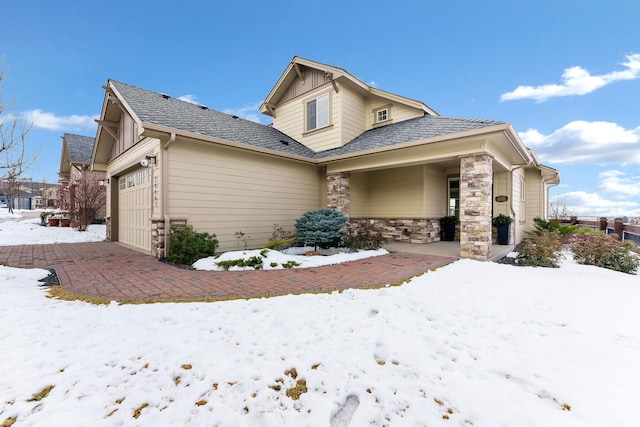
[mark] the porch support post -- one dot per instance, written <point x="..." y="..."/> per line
<point x="476" y="182"/>
<point x="338" y="192"/>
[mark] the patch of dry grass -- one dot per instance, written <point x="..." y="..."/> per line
<point x="37" y="397"/>
<point x="9" y="422"/>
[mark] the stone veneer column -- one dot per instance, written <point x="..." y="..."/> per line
<point x="338" y="192"/>
<point x="476" y="182"/>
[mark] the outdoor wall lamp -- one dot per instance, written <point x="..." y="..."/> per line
<point x="103" y="182"/>
<point x="147" y="161"/>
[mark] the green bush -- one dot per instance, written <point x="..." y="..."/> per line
<point x="543" y="249"/>
<point x="44" y="217"/>
<point x="365" y="237"/>
<point x="605" y="251"/>
<point x="501" y="219"/>
<point x="187" y="246"/>
<point x="554" y="225"/>
<point x="320" y="228"/>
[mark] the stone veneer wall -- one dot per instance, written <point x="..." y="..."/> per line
<point x="159" y="235"/>
<point x="476" y="182"/>
<point x="415" y="230"/>
<point x="107" y="222"/>
<point x="338" y="192"/>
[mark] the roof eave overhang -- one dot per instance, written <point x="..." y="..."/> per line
<point x="522" y="152"/>
<point x="483" y="132"/>
<point x="550" y="175"/>
<point x="65" y="165"/>
<point x="158" y="131"/>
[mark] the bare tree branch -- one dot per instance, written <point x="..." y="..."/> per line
<point x="14" y="160"/>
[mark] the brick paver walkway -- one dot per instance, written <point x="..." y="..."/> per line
<point x="110" y="270"/>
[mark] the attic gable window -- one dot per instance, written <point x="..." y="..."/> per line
<point x="382" y="115"/>
<point x="317" y="112"/>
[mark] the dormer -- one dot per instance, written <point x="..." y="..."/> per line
<point x="325" y="107"/>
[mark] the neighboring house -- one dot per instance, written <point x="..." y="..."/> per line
<point x="27" y="194"/>
<point x="335" y="141"/>
<point x="75" y="162"/>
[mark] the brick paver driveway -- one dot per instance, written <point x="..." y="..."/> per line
<point x="112" y="271"/>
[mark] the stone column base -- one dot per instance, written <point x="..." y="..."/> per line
<point x="413" y="230"/>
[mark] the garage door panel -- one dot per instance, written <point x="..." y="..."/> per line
<point x="134" y="208"/>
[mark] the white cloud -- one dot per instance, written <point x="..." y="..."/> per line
<point x="586" y="142"/>
<point x="248" y="112"/>
<point x="50" y="121"/>
<point x="576" y="81"/>
<point x="582" y="203"/>
<point x="619" y="184"/>
<point x="189" y="98"/>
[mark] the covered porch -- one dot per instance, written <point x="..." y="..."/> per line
<point x="441" y="248"/>
<point x="406" y="204"/>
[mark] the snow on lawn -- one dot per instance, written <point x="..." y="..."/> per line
<point x="293" y="257"/>
<point x="30" y="232"/>
<point x="471" y="344"/>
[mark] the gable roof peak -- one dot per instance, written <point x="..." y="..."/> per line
<point x="295" y="70"/>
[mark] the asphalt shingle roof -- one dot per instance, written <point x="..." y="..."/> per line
<point x="406" y="131"/>
<point x="160" y="109"/>
<point x="163" y="110"/>
<point x="79" y="148"/>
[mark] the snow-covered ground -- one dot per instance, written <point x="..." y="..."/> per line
<point x="471" y="344"/>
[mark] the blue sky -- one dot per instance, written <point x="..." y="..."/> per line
<point x="565" y="73"/>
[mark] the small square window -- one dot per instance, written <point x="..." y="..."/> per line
<point x="382" y="115"/>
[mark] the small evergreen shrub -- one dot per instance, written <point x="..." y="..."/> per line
<point x="565" y="231"/>
<point x="44" y="217"/>
<point x="605" y="251"/>
<point x="187" y="246"/>
<point x="254" y="262"/>
<point x="320" y="228"/>
<point x="291" y="264"/>
<point x="541" y="250"/>
<point x="365" y="237"/>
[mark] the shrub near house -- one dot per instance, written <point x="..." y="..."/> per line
<point x="320" y="228"/>
<point x="544" y="248"/>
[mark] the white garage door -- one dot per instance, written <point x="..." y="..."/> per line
<point x="134" y="209"/>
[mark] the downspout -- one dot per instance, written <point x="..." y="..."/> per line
<point x="165" y="192"/>
<point x="510" y="187"/>
<point x="546" y="190"/>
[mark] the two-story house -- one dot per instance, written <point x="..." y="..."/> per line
<point x="75" y="161"/>
<point x="335" y="141"/>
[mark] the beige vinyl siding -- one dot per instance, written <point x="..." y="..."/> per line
<point x="396" y="193"/>
<point x="353" y="114"/>
<point x="435" y="191"/>
<point x="358" y="194"/>
<point x="290" y="119"/>
<point x="501" y="188"/>
<point x="399" y="112"/>
<point x="412" y="192"/>
<point x="223" y="191"/>
<point x="534" y="197"/>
